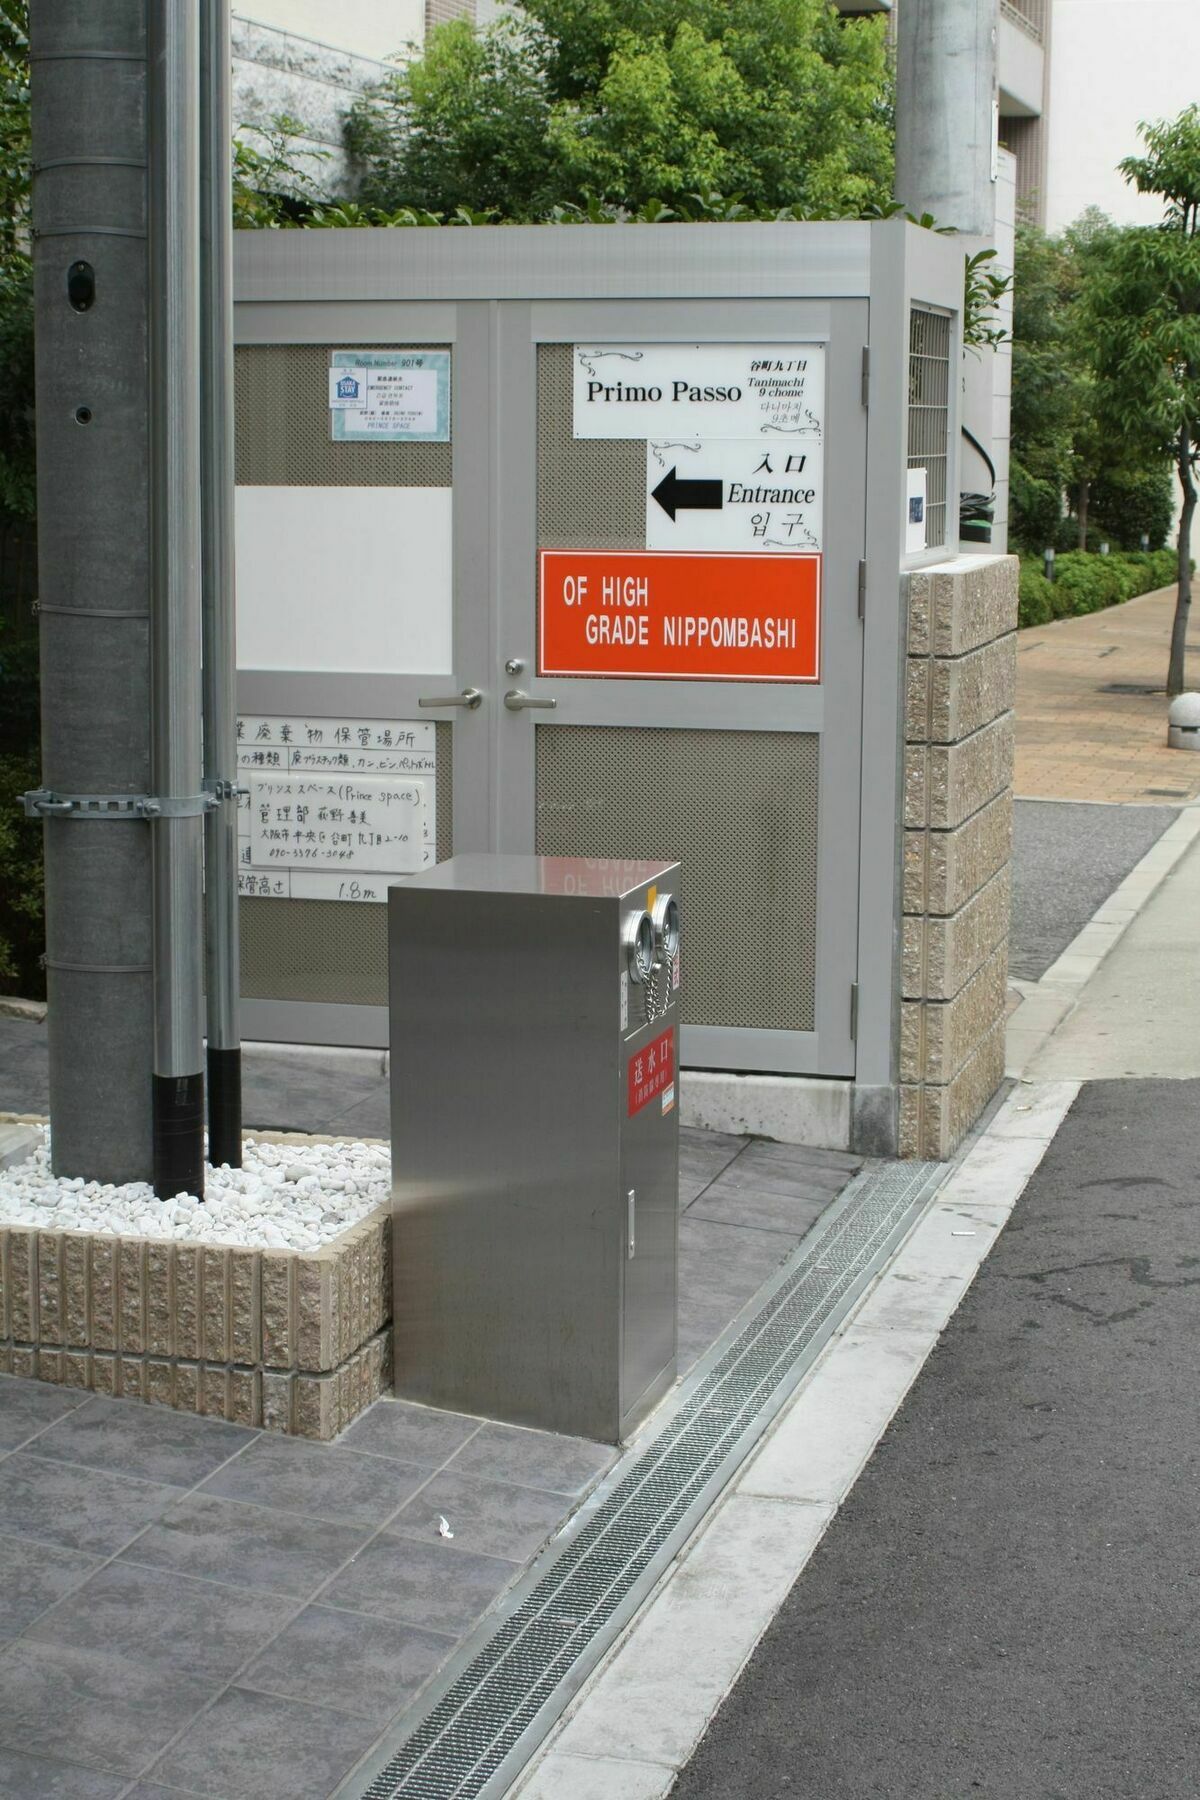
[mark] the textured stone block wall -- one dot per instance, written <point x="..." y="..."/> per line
<point x="296" y="1341"/>
<point x="958" y="771"/>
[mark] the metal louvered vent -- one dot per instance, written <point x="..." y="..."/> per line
<point x="332" y="951"/>
<point x="591" y="492"/>
<point x="643" y="791"/>
<point x="488" y="1718"/>
<point x="281" y="435"/>
<point x="929" y="412"/>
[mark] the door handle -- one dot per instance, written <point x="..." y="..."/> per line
<point x="516" y="701"/>
<point x="470" y="698"/>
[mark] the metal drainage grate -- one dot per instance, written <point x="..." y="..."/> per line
<point x="499" y="1698"/>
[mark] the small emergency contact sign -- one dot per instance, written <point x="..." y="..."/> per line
<point x="676" y="616"/>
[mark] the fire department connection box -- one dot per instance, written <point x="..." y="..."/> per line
<point x="535" y="1138"/>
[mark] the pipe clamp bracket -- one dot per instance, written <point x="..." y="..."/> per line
<point x="44" y="803"/>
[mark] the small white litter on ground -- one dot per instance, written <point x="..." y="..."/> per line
<point x="284" y="1197"/>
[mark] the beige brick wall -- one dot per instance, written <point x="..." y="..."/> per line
<point x="958" y="763"/>
<point x="288" y="1339"/>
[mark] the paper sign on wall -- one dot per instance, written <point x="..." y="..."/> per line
<point x="916" y="505"/>
<point x="390" y="395"/>
<point x="336" y="808"/>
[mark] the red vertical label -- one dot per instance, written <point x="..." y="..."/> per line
<point x="651" y="1071"/>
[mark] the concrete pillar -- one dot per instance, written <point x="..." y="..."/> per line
<point x="946" y="111"/>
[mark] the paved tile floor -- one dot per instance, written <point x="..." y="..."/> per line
<point x="190" y="1608"/>
<point x="1087" y="729"/>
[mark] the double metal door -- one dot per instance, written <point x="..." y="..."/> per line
<point x="753" y="785"/>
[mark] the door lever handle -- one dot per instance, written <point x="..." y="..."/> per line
<point x="516" y="701"/>
<point x="470" y="698"/>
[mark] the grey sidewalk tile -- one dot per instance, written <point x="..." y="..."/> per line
<point x="369" y="1118"/>
<point x="537" y="1459"/>
<point x="256" y="1546"/>
<point x="88" y="1707"/>
<point x="420" y="1584"/>
<point x="252" y="1746"/>
<point x="45" y="1778"/>
<point x="320" y="1480"/>
<point x="701" y="1323"/>
<point x="493" y="1518"/>
<point x="29" y="1406"/>
<point x="293" y="1093"/>
<point x="414" y="1434"/>
<point x="366" y="1666"/>
<point x="32" y="1578"/>
<point x="151" y="1619"/>
<point x="700" y="1163"/>
<point x="801" y="1156"/>
<point x="725" y="1263"/>
<point x="80" y="1509"/>
<point x="790" y="1214"/>
<point x="153" y="1442"/>
<point x="767" y="1177"/>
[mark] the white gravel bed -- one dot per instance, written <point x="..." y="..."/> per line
<point x="284" y="1197"/>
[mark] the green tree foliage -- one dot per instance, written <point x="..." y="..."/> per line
<point x="1063" y="440"/>
<point x="17" y="481"/>
<point x="1145" y="319"/>
<point x="634" y="102"/>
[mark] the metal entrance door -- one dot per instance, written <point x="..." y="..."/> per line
<point x="753" y="785"/>
<point x="363" y="582"/>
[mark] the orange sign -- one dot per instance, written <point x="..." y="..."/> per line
<point x="675" y="616"/>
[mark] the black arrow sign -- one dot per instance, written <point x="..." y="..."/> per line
<point x="674" y="495"/>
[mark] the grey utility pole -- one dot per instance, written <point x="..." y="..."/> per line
<point x="220" y="658"/>
<point x="947" y="110"/>
<point x="90" y="289"/>
<point x="173" y="48"/>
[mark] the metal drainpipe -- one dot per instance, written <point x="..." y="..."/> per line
<point x="174" y="366"/>
<point x="217" y="561"/>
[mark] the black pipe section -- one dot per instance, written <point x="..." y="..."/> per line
<point x="178" y="1135"/>
<point x="224" y="1107"/>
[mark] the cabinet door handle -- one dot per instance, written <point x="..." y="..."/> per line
<point x="470" y="698"/>
<point x="516" y="701"/>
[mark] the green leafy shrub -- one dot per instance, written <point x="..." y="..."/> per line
<point x="1036" y="604"/>
<point x="1085" y="583"/>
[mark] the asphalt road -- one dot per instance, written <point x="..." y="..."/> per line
<point x="1007" y="1605"/>
<point x="1067" y="859"/>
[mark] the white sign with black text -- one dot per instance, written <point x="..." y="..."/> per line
<point x="761" y="494"/>
<point x="336" y="808"/>
<point x="731" y="391"/>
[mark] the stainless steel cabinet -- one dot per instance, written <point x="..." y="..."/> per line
<point x="535" y="1144"/>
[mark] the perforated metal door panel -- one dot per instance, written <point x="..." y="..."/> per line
<point x="751" y="913"/>
<point x="282" y="436"/>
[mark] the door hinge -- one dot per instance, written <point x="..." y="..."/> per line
<point x="862" y="589"/>
<point x="854" y="1012"/>
<point x="866" y="375"/>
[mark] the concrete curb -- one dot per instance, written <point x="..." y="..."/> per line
<point x="636" y="1722"/>
<point x="1047" y="1002"/>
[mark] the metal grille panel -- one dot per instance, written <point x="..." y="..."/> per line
<point x="591" y="491"/>
<point x="487" y="1722"/>
<point x="929" y="412"/>
<point x="611" y="790"/>
<point x="282" y="439"/>
<point x="332" y="950"/>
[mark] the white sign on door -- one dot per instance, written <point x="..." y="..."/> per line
<point x="731" y="391"/>
<point x="395" y="395"/>
<point x="765" y="494"/>
<point x="336" y="808"/>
